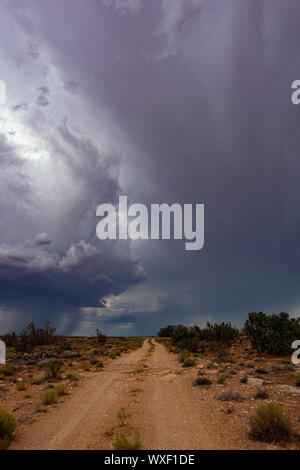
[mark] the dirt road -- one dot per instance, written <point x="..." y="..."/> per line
<point x="159" y="400"/>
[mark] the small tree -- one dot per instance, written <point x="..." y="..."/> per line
<point x="100" y="337"/>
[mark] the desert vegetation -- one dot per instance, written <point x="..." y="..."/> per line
<point x="243" y="377"/>
<point x="38" y="361"/>
<point x="253" y="363"/>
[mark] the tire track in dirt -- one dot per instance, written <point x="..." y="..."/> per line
<point x="83" y="421"/>
<point x="173" y="417"/>
<point x="159" y="400"/>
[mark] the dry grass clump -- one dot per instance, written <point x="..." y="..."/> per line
<point x="21" y="386"/>
<point x="270" y="424"/>
<point x="121" y="442"/>
<point x="122" y="415"/>
<point x="73" y="377"/>
<point x="61" y="390"/>
<point x="49" y="397"/>
<point x="7" y="428"/>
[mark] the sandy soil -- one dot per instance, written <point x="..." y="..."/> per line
<point x="160" y="402"/>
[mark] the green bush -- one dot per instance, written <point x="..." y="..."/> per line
<point x="7" y="428"/>
<point x="21" y="386"/>
<point x="122" y="415"/>
<point x="215" y="336"/>
<point x="30" y="337"/>
<point x="8" y="370"/>
<point x="123" y="443"/>
<point x="272" y="334"/>
<point x="189" y="362"/>
<point x="38" y="380"/>
<point x="270" y="424"/>
<point x="49" y="397"/>
<point x="222" y="378"/>
<point x="52" y="367"/>
<point x="61" y="390"/>
<point x="100" y="337"/>
<point x="73" y="377"/>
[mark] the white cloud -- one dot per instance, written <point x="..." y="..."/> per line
<point x="80" y="260"/>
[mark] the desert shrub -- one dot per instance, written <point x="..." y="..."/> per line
<point x="201" y="381"/>
<point x="297" y="380"/>
<point x="270" y="424"/>
<point x="214" y="336"/>
<point x="223" y="333"/>
<point x="61" y="390"/>
<point x="73" y="377"/>
<point x="261" y="394"/>
<point x="222" y="378"/>
<point x="31" y="337"/>
<point x="216" y="348"/>
<point x="189" y="362"/>
<point x="290" y="367"/>
<point x="273" y="334"/>
<point x="244" y="379"/>
<point x="21" y="386"/>
<point x="100" y="364"/>
<point x="122" y="415"/>
<point x="67" y="354"/>
<point x="184" y="355"/>
<point x="166" y="332"/>
<point x="49" y="397"/>
<point x="191" y="344"/>
<point x="38" y="380"/>
<point x="8" y="370"/>
<point x="230" y="396"/>
<point x="100" y="337"/>
<point x="52" y="367"/>
<point x="261" y="371"/>
<point x="275" y="368"/>
<point x="7" y="428"/>
<point x="223" y="355"/>
<point x="123" y="443"/>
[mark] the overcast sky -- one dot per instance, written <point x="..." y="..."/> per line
<point x="183" y="101"/>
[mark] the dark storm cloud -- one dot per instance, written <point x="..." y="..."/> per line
<point x="199" y="96"/>
<point x="45" y="285"/>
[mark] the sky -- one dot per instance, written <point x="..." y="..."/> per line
<point x="164" y="101"/>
